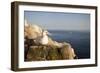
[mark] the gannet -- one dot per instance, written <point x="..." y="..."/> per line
<point x="43" y="39"/>
<point x="32" y="31"/>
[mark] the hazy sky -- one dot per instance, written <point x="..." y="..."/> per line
<point x="59" y="20"/>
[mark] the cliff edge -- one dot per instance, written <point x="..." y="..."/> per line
<point x="53" y="50"/>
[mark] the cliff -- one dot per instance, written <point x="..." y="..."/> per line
<point x="52" y="51"/>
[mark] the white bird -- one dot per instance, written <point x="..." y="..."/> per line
<point x="43" y="40"/>
<point x="38" y="34"/>
<point x="32" y="31"/>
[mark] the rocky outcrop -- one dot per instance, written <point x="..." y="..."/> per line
<point x="37" y="53"/>
<point x="52" y="51"/>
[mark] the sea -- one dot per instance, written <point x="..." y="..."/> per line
<point x="79" y="40"/>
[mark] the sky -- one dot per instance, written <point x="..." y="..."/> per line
<point x="59" y="20"/>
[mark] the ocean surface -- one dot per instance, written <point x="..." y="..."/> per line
<point x="80" y="41"/>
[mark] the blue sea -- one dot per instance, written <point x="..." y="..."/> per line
<point x="80" y="41"/>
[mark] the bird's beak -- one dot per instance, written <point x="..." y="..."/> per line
<point x="49" y="33"/>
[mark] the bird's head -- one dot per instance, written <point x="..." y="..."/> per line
<point x="45" y="32"/>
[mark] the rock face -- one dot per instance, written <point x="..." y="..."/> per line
<point x="52" y="51"/>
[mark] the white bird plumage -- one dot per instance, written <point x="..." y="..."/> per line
<point x="37" y="33"/>
<point x="43" y="39"/>
<point x="32" y="31"/>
